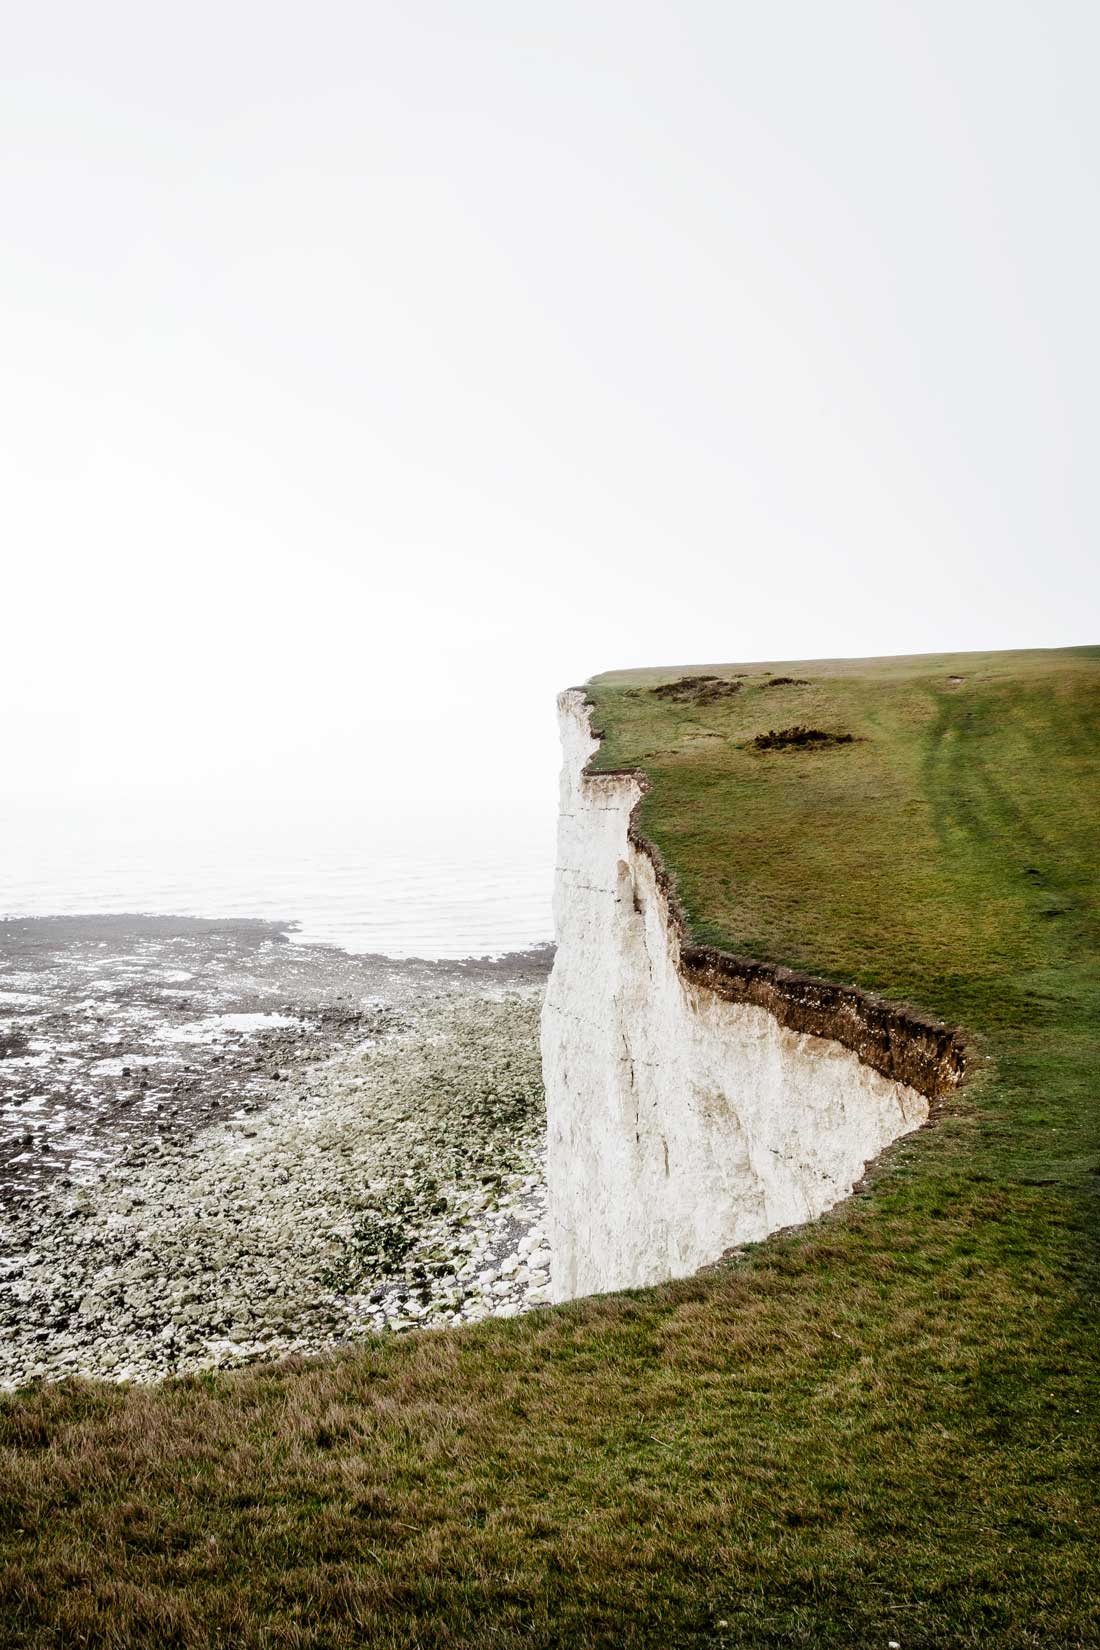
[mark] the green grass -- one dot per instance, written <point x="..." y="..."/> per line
<point x="879" y="1427"/>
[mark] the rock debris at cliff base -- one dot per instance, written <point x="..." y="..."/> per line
<point x="376" y="1162"/>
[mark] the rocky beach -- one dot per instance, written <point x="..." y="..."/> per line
<point x="216" y="1145"/>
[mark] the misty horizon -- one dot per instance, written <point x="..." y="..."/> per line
<point x="372" y="381"/>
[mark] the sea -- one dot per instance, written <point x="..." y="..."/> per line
<point x="444" y="879"/>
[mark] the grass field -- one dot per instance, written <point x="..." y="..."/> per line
<point x="877" y="1429"/>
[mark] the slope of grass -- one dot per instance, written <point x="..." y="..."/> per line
<point x="878" y="1428"/>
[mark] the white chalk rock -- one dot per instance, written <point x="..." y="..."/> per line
<point x="679" y="1124"/>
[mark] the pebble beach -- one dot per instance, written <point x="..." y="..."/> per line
<point x="216" y="1146"/>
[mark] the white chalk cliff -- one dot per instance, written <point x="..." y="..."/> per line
<point x="679" y="1123"/>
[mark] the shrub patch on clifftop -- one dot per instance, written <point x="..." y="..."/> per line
<point x="799" y="738"/>
<point x="698" y="690"/>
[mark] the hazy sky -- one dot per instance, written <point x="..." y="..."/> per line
<point x="371" y="370"/>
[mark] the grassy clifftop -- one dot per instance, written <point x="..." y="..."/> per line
<point x="949" y="851"/>
<point x="881" y="1427"/>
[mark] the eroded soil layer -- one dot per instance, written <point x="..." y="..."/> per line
<point x="215" y="1145"/>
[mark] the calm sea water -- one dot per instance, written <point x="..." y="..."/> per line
<point x="406" y="881"/>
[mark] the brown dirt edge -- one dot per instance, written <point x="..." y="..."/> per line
<point x="899" y="1041"/>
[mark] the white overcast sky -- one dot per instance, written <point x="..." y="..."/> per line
<point x="373" y="370"/>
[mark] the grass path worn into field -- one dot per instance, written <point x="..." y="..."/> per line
<point x="880" y="1427"/>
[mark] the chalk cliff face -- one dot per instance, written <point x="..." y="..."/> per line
<point x="679" y="1123"/>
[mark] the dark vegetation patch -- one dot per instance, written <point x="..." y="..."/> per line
<point x="717" y="690"/>
<point x="788" y="681"/>
<point x="697" y="690"/>
<point x="797" y="738"/>
<point x="383" y="1235"/>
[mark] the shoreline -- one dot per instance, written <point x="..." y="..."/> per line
<point x="216" y="1146"/>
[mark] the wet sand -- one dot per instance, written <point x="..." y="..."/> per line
<point x="217" y="1145"/>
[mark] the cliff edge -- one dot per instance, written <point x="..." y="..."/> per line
<point x="695" y="1100"/>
